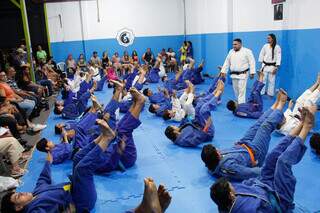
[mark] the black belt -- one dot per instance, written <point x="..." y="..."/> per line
<point x="239" y="73"/>
<point x="270" y="64"/>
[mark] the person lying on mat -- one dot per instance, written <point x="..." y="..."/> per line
<point x="60" y="152"/>
<point x="85" y="130"/>
<point x="154" y="200"/>
<point x="140" y="78"/>
<point x="133" y="72"/>
<point x="80" y="193"/>
<point x="181" y="107"/>
<point x="170" y="84"/>
<point x="273" y="190"/>
<point x="153" y="75"/>
<point x="292" y="116"/>
<point x="253" y="108"/>
<point x="244" y="159"/>
<point x="200" y="129"/>
<point x="72" y="107"/>
<point x="156" y="97"/>
<point x="126" y="98"/>
<point x="121" y="153"/>
<point x="196" y="73"/>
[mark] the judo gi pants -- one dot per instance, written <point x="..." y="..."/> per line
<point x="239" y="88"/>
<point x="269" y="80"/>
<point x="277" y="170"/>
<point x="306" y="99"/>
<point x="203" y="111"/>
<point x="83" y="188"/>
<point x="255" y="95"/>
<point x="111" y="156"/>
<point x="258" y="137"/>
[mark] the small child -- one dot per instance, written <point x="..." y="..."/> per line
<point x="60" y="152"/>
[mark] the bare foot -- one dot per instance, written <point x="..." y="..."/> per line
<point x="309" y="120"/>
<point x="119" y="86"/>
<point x="220" y="85"/>
<point x="283" y="96"/>
<point x="122" y="145"/>
<point x="150" y="201"/>
<point x="105" y="128"/>
<point x="137" y="96"/>
<point x="164" y="197"/>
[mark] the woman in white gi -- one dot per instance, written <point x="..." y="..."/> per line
<point x="270" y="59"/>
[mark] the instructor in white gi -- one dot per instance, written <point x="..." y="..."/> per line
<point x="241" y="62"/>
<point x="270" y="59"/>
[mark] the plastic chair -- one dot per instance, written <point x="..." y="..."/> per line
<point x="62" y="66"/>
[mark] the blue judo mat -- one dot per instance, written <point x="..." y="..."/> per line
<point x="179" y="169"/>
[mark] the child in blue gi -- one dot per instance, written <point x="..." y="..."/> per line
<point x="155" y="98"/>
<point x="121" y="153"/>
<point x="159" y="109"/>
<point x="60" y="152"/>
<point x="245" y="158"/>
<point x="197" y="76"/>
<point x="254" y="106"/>
<point x="273" y="190"/>
<point x="73" y="107"/>
<point x="200" y="130"/>
<point x="87" y="130"/>
<point x="153" y="75"/>
<point x="126" y="102"/>
<point x="170" y="84"/>
<point x="80" y="193"/>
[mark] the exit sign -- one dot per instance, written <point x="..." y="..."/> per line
<point x="277" y="1"/>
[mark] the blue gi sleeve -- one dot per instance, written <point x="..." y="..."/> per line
<point x="240" y="172"/>
<point x="62" y="153"/>
<point x="45" y="176"/>
<point x="255" y="115"/>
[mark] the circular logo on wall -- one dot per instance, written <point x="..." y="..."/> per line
<point x="125" y="37"/>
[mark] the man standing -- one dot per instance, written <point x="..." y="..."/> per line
<point x="240" y="61"/>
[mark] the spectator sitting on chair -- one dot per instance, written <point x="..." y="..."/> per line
<point x="41" y="55"/>
<point x="11" y="148"/>
<point x="82" y="63"/>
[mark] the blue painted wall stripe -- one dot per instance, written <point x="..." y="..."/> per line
<point x="300" y="50"/>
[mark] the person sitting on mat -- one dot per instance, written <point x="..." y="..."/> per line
<point x="245" y="158"/>
<point x="80" y="193"/>
<point x="200" y="130"/>
<point x="121" y="153"/>
<point x="253" y="108"/>
<point x="292" y="116"/>
<point x="273" y="190"/>
<point x="154" y="200"/>
<point x="181" y="107"/>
